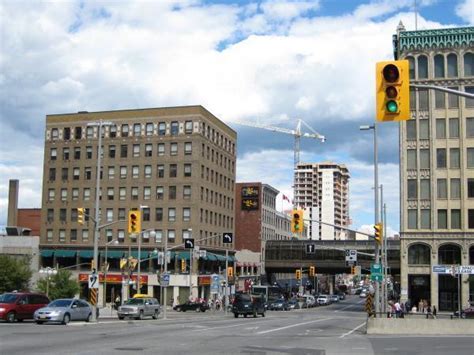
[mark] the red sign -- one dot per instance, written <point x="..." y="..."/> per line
<point x="114" y="278"/>
<point x="204" y="280"/>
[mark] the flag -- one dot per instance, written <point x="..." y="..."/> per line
<point x="286" y="198"/>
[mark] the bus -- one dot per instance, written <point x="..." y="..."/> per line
<point x="271" y="293"/>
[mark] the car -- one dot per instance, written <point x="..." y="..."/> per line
<point x="64" y="310"/>
<point x="17" y="306"/>
<point x="310" y="301"/>
<point x="334" y="298"/>
<point x="248" y="304"/>
<point x="342" y="296"/>
<point x="293" y="304"/>
<point x="139" y="308"/>
<point x="323" y="300"/>
<point x="363" y="294"/>
<point x="466" y="313"/>
<point x="279" y="305"/>
<point x="192" y="306"/>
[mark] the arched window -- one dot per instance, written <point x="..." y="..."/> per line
<point x="452" y="65"/>
<point x="439" y="66"/>
<point x="469" y="64"/>
<point x="411" y="62"/>
<point x="419" y="254"/>
<point x="449" y="254"/>
<point x="422" y="67"/>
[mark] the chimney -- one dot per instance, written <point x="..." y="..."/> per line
<point x="12" y="218"/>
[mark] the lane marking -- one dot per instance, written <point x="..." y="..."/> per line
<point x="353" y="330"/>
<point x="293" y="325"/>
<point x="229" y="326"/>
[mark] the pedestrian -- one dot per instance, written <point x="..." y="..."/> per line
<point x="117" y="302"/>
<point x="398" y="309"/>
<point x="407" y="306"/>
<point x="420" y="306"/>
<point x="413" y="309"/>
<point x="428" y="312"/>
<point x="425" y="305"/>
<point x="434" y="311"/>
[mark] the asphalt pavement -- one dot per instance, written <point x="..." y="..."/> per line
<point x="334" y="329"/>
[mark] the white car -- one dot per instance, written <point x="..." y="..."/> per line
<point x="324" y="300"/>
<point x="363" y="294"/>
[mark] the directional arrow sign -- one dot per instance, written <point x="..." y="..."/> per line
<point x="189" y="243"/>
<point x="93" y="281"/>
<point x="227" y="238"/>
<point x="310" y="248"/>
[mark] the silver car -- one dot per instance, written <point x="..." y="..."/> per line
<point x="139" y="308"/>
<point x="64" y="310"/>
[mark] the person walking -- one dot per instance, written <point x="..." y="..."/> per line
<point x="434" y="311"/>
<point x="117" y="302"/>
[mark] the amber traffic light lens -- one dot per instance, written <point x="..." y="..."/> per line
<point x="391" y="92"/>
<point x="391" y="73"/>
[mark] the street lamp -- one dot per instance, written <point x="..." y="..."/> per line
<point x="48" y="271"/>
<point x="376" y="205"/>
<point x="106" y="267"/>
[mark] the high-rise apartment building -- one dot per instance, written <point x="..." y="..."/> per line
<point x="437" y="166"/>
<point x="176" y="164"/>
<point x="322" y="190"/>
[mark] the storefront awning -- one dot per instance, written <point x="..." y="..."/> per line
<point x="86" y="253"/>
<point x="183" y="255"/>
<point x="47" y="253"/>
<point x="62" y="253"/>
<point x="112" y="254"/>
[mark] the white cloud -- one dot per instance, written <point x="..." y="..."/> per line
<point x="465" y="10"/>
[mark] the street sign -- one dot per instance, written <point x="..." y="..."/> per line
<point x="93" y="281"/>
<point x="376" y="272"/>
<point x="165" y="279"/>
<point x="453" y="269"/>
<point x="227" y="238"/>
<point x="376" y="277"/>
<point x="215" y="282"/>
<point x="351" y="255"/>
<point x="310" y="248"/>
<point x="189" y="243"/>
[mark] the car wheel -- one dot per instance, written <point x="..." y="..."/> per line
<point x="155" y="315"/>
<point x="66" y="319"/>
<point x="121" y="318"/>
<point x="245" y="315"/>
<point x="255" y="314"/>
<point x="263" y="314"/>
<point x="178" y="309"/>
<point x="11" y="317"/>
<point x="89" y="317"/>
<point x="236" y="315"/>
<point x="183" y="310"/>
<point x="39" y="322"/>
<point x="463" y="315"/>
<point x="198" y="310"/>
<point x="140" y="315"/>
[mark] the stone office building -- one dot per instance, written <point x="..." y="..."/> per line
<point x="437" y="166"/>
<point x="176" y="164"/>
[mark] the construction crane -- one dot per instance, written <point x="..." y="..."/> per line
<point x="295" y="132"/>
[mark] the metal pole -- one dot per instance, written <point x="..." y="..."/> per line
<point x="47" y="285"/>
<point x="385" y="257"/>
<point x="383" y="285"/>
<point x="190" y="272"/>
<point x="376" y="215"/>
<point x="104" y="302"/>
<point x="165" y="272"/>
<point x="96" y="222"/>
<point x="139" y="260"/>
<point x="226" y="304"/>
<point x="459" y="295"/>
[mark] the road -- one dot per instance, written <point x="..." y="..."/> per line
<point x="335" y="329"/>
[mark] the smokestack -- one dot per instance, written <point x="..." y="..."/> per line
<point x="12" y="218"/>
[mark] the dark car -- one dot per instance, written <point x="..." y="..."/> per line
<point x="293" y="304"/>
<point x="246" y="304"/>
<point x="466" y="313"/>
<point x="279" y="305"/>
<point x="20" y="305"/>
<point x="192" y="306"/>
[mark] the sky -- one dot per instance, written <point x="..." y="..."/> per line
<point x="267" y="62"/>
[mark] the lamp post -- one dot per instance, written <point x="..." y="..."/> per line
<point x="106" y="267"/>
<point x="191" y="254"/>
<point x="376" y="206"/>
<point x="48" y="271"/>
<point x="152" y="234"/>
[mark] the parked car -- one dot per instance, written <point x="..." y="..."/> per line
<point x="334" y="298"/>
<point x="246" y="304"/>
<point x="279" y="305"/>
<point x="310" y="301"/>
<point x="192" y="306"/>
<point x="139" y="308"/>
<point x="293" y="304"/>
<point x="323" y="300"/>
<point x="20" y="305"/>
<point x="64" y="310"/>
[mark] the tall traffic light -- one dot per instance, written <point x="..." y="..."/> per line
<point x="392" y="91"/>
<point x="312" y="271"/>
<point x="80" y="216"/>
<point x="378" y="233"/>
<point x="353" y="270"/>
<point x="297" y="225"/>
<point x="298" y="274"/>
<point x="134" y="222"/>
<point x="183" y="265"/>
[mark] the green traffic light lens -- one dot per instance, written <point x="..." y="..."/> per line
<point x="392" y="106"/>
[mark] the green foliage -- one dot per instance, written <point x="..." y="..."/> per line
<point x="60" y="285"/>
<point x="15" y="273"/>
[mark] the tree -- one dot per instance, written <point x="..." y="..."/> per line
<point x="15" y="273"/>
<point x="60" y="285"/>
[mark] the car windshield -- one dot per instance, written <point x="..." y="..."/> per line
<point x="8" y="298"/>
<point x="243" y="298"/>
<point x="135" y="301"/>
<point x="60" y="303"/>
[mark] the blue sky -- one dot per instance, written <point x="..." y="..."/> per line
<point x="270" y="62"/>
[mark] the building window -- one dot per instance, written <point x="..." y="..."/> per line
<point x="62" y="235"/>
<point x="453" y="128"/>
<point x="412" y="219"/>
<point x="160" y="191"/>
<point x="88" y="152"/>
<point x="449" y="254"/>
<point x="146" y="193"/>
<point x="149" y="129"/>
<point x="187" y="170"/>
<point x="419" y="254"/>
<point x="470" y="157"/>
<point x="65" y="153"/>
<point x="121" y="235"/>
<point x="188" y="127"/>
<point x="411" y="159"/>
<point x="441" y="158"/>
<point x="137" y="129"/>
<point x="174" y="128"/>
<point x="439" y="66"/>
<point x="172" y="193"/>
<point x="50" y="215"/>
<point x="123" y="151"/>
<point x="442" y="189"/>
<point x="173" y="170"/>
<point x="146" y="214"/>
<point x="171" y="236"/>
<point x="77" y="132"/>
<point x="87" y="173"/>
<point x="174" y="148"/>
<point x="187" y="192"/>
<point x="53" y="153"/>
<point x="63" y="194"/>
<point x="186" y="214"/>
<point x="54" y="134"/>
<point x="423" y="100"/>
<point x="187" y="234"/>
<point x="51" y="194"/>
<point x="159" y="214"/>
<point x="109" y="215"/>
<point x="64" y="174"/>
<point x="470" y="90"/>
<point x="86" y="194"/>
<point x="90" y="132"/>
<point x="148" y="150"/>
<point x="122" y="193"/>
<point x="113" y="131"/>
<point x="77" y="153"/>
<point x="160" y="171"/>
<point x="134" y="193"/>
<point x="188" y="148"/>
<point x="136" y="150"/>
<point x="412" y="189"/>
<point x="52" y="174"/>
<point x="75" y="194"/>
<point x="424" y="158"/>
<point x="171" y="214"/>
<point x="470" y="188"/>
<point x="411" y="65"/>
<point x="455" y="188"/>
<point x="468" y="64"/>
<point x="425" y="219"/>
<point x="111" y="172"/>
<point x="49" y="235"/>
<point x="422" y="67"/>
<point x="62" y="215"/>
<point x="469" y="127"/>
<point x="411" y="129"/>
<point x="112" y="151"/>
<point x="440" y="102"/>
<point x="454" y="158"/>
<point x="440" y="128"/>
<point x="147" y="171"/>
<point x="85" y="235"/>
<point x="452" y="66"/>
<point x="125" y="130"/>
<point x="110" y="193"/>
<point x="161" y="149"/>
<point x="442" y="219"/>
<point x="455" y="219"/>
<point x="424" y="129"/>
<point x="161" y="128"/>
<point x="425" y="193"/>
<point x="453" y="100"/>
<point x="470" y="219"/>
<point x="135" y="171"/>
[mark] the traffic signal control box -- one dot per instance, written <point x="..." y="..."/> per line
<point x="298" y="274"/>
<point x="297" y="224"/>
<point x="392" y="91"/>
<point x="378" y="228"/>
<point x="134" y="222"/>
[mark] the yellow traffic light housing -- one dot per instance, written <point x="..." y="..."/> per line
<point x="378" y="233"/>
<point x="392" y="91"/>
<point x="183" y="265"/>
<point x="134" y="222"/>
<point x="298" y="274"/>
<point x="297" y="225"/>
<point x="353" y="270"/>
<point x="80" y="215"/>
<point x="230" y="271"/>
<point x="312" y="271"/>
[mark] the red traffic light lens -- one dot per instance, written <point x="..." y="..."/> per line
<point x="391" y="92"/>
<point x="133" y="216"/>
<point x="391" y="73"/>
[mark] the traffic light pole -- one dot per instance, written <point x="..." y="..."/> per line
<point x="226" y="300"/>
<point x="376" y="215"/>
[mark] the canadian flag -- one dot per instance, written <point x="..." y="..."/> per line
<point x="286" y="198"/>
